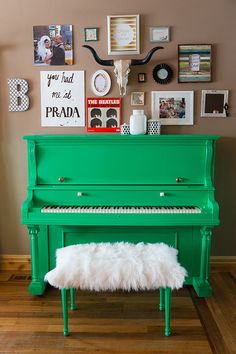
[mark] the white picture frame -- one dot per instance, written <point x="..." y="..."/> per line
<point x="214" y="103"/>
<point x="123" y="32"/>
<point x="101" y="83"/>
<point x="159" y="34"/>
<point x="62" y="98"/>
<point x="173" y="107"/>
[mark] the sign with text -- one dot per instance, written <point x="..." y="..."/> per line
<point x="62" y="99"/>
<point x="103" y="114"/>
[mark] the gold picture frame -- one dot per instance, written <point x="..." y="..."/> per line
<point x="123" y="34"/>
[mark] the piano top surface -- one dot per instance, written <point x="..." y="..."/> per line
<point x="99" y="136"/>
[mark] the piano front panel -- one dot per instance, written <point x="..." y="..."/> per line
<point x="97" y="162"/>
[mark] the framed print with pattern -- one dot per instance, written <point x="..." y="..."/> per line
<point x="123" y="34"/>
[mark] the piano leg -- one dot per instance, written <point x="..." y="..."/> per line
<point x="201" y="283"/>
<point x="37" y="285"/>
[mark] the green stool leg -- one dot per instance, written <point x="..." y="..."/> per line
<point x="161" y="304"/>
<point x="64" y="303"/>
<point x="73" y="306"/>
<point x="167" y="310"/>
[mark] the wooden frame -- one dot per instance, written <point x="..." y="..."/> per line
<point x="173" y="107"/>
<point x="123" y="34"/>
<point x="194" y="63"/>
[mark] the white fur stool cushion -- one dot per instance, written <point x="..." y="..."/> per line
<point x="121" y="265"/>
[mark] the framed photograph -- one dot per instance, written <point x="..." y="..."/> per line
<point x="173" y="107"/>
<point x="137" y="98"/>
<point x="101" y="83"/>
<point x="214" y="103"/>
<point x="103" y="115"/>
<point x="141" y="77"/>
<point x="53" y="45"/>
<point x="159" y="34"/>
<point x="194" y="63"/>
<point x="91" y="34"/>
<point x="123" y="34"/>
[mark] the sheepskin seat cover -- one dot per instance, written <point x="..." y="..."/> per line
<point x="113" y="266"/>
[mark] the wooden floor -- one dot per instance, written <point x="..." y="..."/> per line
<point x="118" y="322"/>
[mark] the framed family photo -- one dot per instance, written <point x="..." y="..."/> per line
<point x="173" y="107"/>
<point x="123" y="34"/>
<point x="194" y="63"/>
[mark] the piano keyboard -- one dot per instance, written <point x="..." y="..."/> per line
<point x="121" y="210"/>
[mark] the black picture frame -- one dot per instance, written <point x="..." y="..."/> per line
<point x="141" y="77"/>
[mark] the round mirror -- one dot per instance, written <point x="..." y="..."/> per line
<point x="162" y="73"/>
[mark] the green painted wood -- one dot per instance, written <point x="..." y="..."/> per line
<point x="115" y="170"/>
<point x="167" y="311"/>
<point x="162" y="299"/>
<point x="64" y="302"/>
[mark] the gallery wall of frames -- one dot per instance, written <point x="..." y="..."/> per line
<point x="84" y="67"/>
<point x="63" y="97"/>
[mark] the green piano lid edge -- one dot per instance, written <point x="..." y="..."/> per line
<point x="99" y="136"/>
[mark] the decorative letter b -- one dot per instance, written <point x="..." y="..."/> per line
<point x="19" y="101"/>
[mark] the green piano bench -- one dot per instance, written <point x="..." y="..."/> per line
<point x="115" y="266"/>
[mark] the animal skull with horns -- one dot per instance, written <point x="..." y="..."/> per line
<point x="122" y="67"/>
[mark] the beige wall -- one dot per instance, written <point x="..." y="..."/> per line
<point x="203" y="21"/>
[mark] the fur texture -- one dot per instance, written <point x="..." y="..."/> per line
<point x="112" y="266"/>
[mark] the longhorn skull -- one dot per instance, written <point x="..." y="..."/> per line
<point x="122" y="67"/>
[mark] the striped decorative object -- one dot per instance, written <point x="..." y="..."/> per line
<point x="123" y="34"/>
<point x="194" y="62"/>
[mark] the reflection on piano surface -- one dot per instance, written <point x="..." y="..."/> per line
<point x="110" y="188"/>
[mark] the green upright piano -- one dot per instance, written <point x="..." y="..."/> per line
<point x="109" y="188"/>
